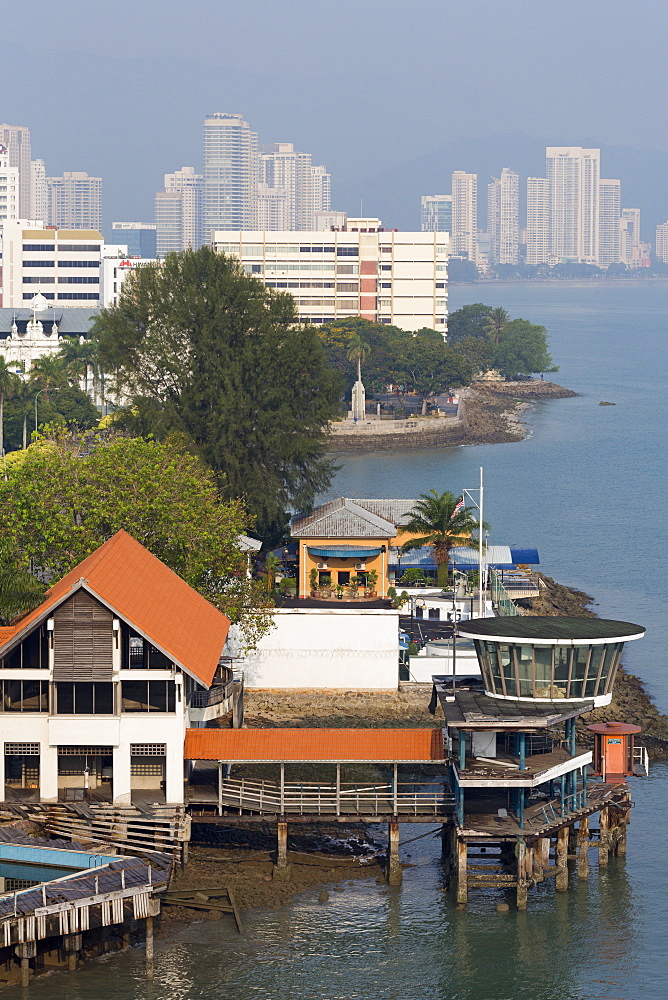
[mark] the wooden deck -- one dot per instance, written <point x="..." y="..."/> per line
<point x="504" y="770"/>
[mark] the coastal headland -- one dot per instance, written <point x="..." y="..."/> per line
<point x="489" y="414"/>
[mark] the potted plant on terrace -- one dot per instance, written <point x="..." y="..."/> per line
<point x="371" y="583"/>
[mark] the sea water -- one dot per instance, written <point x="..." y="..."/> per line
<point x="588" y="488"/>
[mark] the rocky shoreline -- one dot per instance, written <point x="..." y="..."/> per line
<point x="492" y="415"/>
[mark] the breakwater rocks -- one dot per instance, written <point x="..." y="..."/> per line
<point x="630" y="701"/>
<point x="530" y="390"/>
<point x="486" y="418"/>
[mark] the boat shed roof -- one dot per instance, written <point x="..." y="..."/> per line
<point x="476" y="710"/>
<point x="310" y="746"/>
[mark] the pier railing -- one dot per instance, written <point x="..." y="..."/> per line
<point x="314" y="799"/>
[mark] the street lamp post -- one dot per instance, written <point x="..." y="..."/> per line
<point x="36" y="395"/>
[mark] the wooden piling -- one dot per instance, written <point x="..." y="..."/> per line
<point x="583" y="848"/>
<point x="562" y="859"/>
<point x="281" y="868"/>
<point x="149" y="947"/>
<point x="393" y="870"/>
<point x="462" y="872"/>
<point x="522" y="882"/>
<point x="24" y="952"/>
<point x="604" y="842"/>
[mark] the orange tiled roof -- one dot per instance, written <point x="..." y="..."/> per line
<point x="149" y="596"/>
<point x="304" y="745"/>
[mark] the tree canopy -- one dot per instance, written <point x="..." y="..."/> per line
<point x="62" y="499"/>
<point x="202" y="348"/>
<point x="436" y="521"/>
<point x="522" y="349"/>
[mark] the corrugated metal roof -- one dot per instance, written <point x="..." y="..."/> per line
<point x="524" y="556"/>
<point x="342" y="518"/>
<point x="422" y="558"/>
<point x="148" y="595"/>
<point x="494" y="555"/>
<point x="72" y="322"/>
<point x="307" y="745"/>
<point x="397" y="512"/>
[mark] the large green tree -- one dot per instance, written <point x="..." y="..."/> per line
<point x="435" y="521"/>
<point x="427" y="366"/>
<point x="469" y="321"/>
<point x="62" y="499"/>
<point x="522" y="349"/>
<point x="9" y="383"/>
<point x="20" y="591"/>
<point x="202" y="348"/>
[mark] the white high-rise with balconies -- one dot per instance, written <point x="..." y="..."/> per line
<point x="662" y="242"/>
<point x="503" y="217"/>
<point x="574" y="174"/>
<point x="39" y="192"/>
<point x="9" y="187"/>
<point x="178" y="212"/>
<point x="464" y="240"/>
<point x="230" y="178"/>
<point x="538" y="221"/>
<point x="17" y="140"/>
<point x="291" y="190"/>
<point x="609" y="210"/>
<point x="631" y="251"/>
<point x="75" y="201"/>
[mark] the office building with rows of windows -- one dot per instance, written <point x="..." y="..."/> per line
<point x="63" y="264"/>
<point x="364" y="270"/>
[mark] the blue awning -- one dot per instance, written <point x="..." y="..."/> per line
<point x="524" y="556"/>
<point x="343" y="552"/>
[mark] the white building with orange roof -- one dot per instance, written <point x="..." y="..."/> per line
<point x="99" y="683"/>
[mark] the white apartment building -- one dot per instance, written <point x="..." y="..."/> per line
<point x="574" y="174"/>
<point x="62" y="264"/>
<point x="436" y="213"/>
<point x="101" y="681"/>
<point x="326" y="221"/>
<point x="383" y="276"/>
<point x="178" y="212"/>
<point x="9" y="187"/>
<point x="662" y="242"/>
<point x="75" y="201"/>
<point x="503" y="217"/>
<point x="538" y="221"/>
<point x="39" y="192"/>
<point x="465" y="215"/>
<point x="609" y="237"/>
<point x="230" y="179"/>
<point x="17" y="140"/>
<point x="291" y="190"/>
<point x="630" y="244"/>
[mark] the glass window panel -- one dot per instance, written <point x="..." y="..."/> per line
<point x="594" y="667"/>
<point x="171" y="696"/>
<point x="543" y="668"/>
<point x="104" y="699"/>
<point x="562" y="656"/>
<point x="158" y="660"/>
<point x="578" y="669"/>
<point x="523" y="654"/>
<point x="610" y="658"/>
<point x="495" y="669"/>
<point x="32" y="696"/>
<point x="83" y="699"/>
<point x="135" y="696"/>
<point x="508" y="669"/>
<point x="157" y="696"/>
<point x="65" y="698"/>
<point x="32" y="650"/>
<point x="14" y="659"/>
<point x="12" y="696"/>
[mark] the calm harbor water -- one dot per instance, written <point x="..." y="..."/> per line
<point x="588" y="489"/>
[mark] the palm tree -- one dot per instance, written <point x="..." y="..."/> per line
<point x="25" y="396"/>
<point x="495" y="324"/>
<point x="358" y="350"/>
<point x="49" y="372"/>
<point x="436" y="522"/>
<point x="9" y="382"/>
<point x="79" y="356"/>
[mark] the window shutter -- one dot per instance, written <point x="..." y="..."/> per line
<point x="82" y="640"/>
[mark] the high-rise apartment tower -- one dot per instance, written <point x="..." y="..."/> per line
<point x="503" y="217"/>
<point x="573" y="174"/>
<point x="230" y="179"/>
<point x="75" y="201"/>
<point x="17" y="140"/>
<point x="465" y="214"/>
<point x="178" y="212"/>
<point x="436" y="213"/>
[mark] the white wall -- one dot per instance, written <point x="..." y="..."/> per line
<point x="333" y="648"/>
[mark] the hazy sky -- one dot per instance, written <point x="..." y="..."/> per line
<point x="120" y="88"/>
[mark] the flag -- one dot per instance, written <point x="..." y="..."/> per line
<point x="458" y="506"/>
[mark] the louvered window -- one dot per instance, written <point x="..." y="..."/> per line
<point x="82" y="640"/>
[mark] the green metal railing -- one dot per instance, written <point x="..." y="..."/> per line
<point x="500" y="598"/>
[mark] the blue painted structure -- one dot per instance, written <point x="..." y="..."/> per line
<point x="53" y="857"/>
